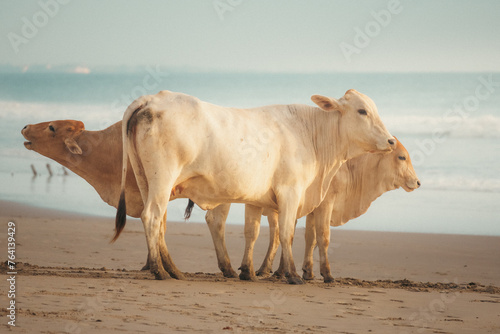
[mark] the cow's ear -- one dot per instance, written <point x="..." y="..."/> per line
<point x="326" y="103"/>
<point x="72" y="146"/>
<point x="350" y="93"/>
<point x="397" y="142"/>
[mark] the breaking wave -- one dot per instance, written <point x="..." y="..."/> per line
<point x="483" y="126"/>
<point x="461" y="183"/>
<point x="97" y="116"/>
<point x="100" y="115"/>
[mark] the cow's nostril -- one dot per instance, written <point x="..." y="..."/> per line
<point x="391" y="142"/>
<point x="418" y="183"/>
<point x="25" y="127"/>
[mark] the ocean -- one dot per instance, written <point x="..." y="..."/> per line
<point x="449" y="122"/>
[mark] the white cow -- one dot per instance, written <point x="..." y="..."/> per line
<point x="355" y="186"/>
<point x="281" y="157"/>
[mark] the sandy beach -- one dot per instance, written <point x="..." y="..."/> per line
<point x="71" y="279"/>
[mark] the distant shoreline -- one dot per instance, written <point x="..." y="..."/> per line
<point x="17" y="209"/>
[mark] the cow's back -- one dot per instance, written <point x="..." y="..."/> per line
<point x="236" y="153"/>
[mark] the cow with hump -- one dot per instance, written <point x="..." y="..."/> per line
<point x="355" y="186"/>
<point x="208" y="153"/>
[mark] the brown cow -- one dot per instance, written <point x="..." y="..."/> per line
<point x="95" y="156"/>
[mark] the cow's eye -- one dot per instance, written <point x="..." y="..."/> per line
<point x="362" y="112"/>
<point x="402" y="158"/>
<point x="51" y="128"/>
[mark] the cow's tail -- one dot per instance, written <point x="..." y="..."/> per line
<point x="128" y="127"/>
<point x="189" y="209"/>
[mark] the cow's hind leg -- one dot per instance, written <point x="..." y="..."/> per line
<point x="252" y="227"/>
<point x="152" y="221"/>
<point x="163" y="226"/>
<point x="155" y="209"/>
<point x="216" y="221"/>
<point x="281" y="271"/>
<point x="322" y="217"/>
<point x="307" y="265"/>
<point x="167" y="262"/>
<point x="274" y="241"/>
<point x="288" y="202"/>
<point x="146" y="266"/>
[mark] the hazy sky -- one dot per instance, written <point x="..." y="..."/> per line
<point x="257" y="35"/>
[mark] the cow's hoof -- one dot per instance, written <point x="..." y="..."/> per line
<point x="230" y="273"/>
<point x="160" y="274"/>
<point x="307" y="275"/>
<point x="177" y="275"/>
<point x="328" y="279"/>
<point x="278" y="274"/>
<point x="295" y="280"/>
<point x="246" y="276"/>
<point x="146" y="267"/>
<point x="263" y="273"/>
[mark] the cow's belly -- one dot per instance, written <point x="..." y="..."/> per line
<point x="208" y="193"/>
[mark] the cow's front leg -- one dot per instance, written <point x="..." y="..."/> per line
<point x="288" y="204"/>
<point x="310" y="236"/>
<point x="274" y="241"/>
<point x="216" y="221"/>
<point x="252" y="227"/>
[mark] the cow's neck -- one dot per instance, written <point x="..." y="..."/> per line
<point x="338" y="146"/>
<point x="100" y="162"/>
<point x="331" y="148"/>
<point x="374" y="177"/>
<point x="327" y="140"/>
<point x="364" y="184"/>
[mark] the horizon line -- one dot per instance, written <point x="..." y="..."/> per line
<point x="129" y="69"/>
